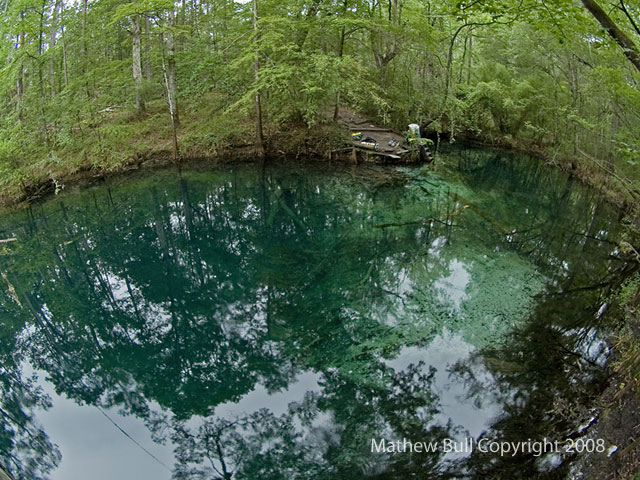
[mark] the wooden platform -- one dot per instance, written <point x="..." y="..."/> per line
<point x="374" y="143"/>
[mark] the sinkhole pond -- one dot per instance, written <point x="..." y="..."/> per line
<point x="253" y="322"/>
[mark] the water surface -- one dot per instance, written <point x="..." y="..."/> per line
<point x="253" y="322"/>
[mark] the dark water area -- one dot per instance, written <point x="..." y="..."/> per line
<point x="271" y="323"/>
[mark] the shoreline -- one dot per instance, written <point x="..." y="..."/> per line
<point x="55" y="181"/>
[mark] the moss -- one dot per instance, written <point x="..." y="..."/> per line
<point x="629" y="289"/>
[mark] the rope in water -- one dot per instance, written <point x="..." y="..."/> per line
<point x="133" y="439"/>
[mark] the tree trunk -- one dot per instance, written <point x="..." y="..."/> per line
<point x="65" y="68"/>
<point x="336" y="110"/>
<point x="84" y="47"/>
<point x="170" y="83"/>
<point x="84" y="28"/>
<point x="343" y="33"/>
<point x="137" y="67"/>
<point x="611" y="156"/>
<point x="53" y="33"/>
<point x="171" y="62"/>
<point x="256" y="71"/>
<point x="629" y="48"/>
<point x="470" y="53"/>
<point x="41" y="88"/>
<point x="147" y="49"/>
<point x="20" y="83"/>
<point x="19" y="91"/>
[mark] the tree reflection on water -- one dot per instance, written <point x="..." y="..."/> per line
<point x="191" y="291"/>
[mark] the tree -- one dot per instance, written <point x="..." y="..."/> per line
<point x="170" y="82"/>
<point x="256" y="74"/>
<point x="136" y="61"/>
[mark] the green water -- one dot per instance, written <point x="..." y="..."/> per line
<point x="263" y="323"/>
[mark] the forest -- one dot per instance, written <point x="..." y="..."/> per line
<point x="98" y="85"/>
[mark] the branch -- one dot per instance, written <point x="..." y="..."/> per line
<point x="623" y="7"/>
<point x="621" y="38"/>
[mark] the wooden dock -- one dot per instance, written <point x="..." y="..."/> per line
<point x="372" y="143"/>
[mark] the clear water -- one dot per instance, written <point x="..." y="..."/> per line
<point x="255" y="323"/>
